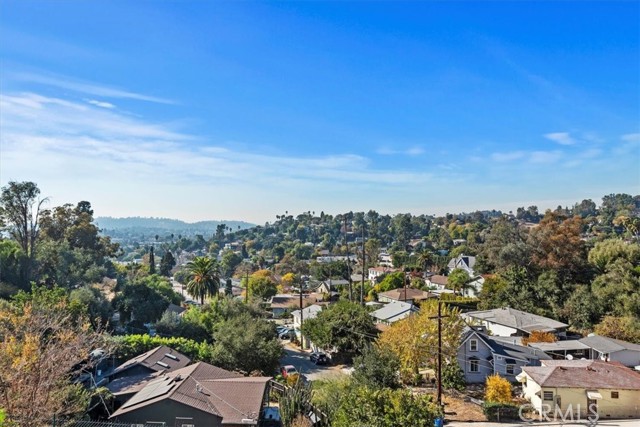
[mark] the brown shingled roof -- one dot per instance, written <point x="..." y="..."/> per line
<point x="584" y="374"/>
<point x="402" y="294"/>
<point x="210" y="389"/>
<point x="157" y="360"/>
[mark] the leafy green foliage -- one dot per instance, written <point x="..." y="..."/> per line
<point x="364" y="406"/>
<point x="453" y="377"/>
<point x="246" y="344"/>
<point x="129" y="346"/>
<point x="167" y="263"/>
<point x="376" y="368"/>
<point x="344" y="327"/>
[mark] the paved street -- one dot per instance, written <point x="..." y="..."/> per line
<point x="300" y="359"/>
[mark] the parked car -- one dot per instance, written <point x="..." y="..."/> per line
<point x="288" y="370"/>
<point x="319" y="358"/>
<point x="286" y="334"/>
<point x="281" y="329"/>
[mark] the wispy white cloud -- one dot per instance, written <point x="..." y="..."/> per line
<point x="80" y="135"/>
<point x="631" y="137"/>
<point x="101" y="104"/>
<point x="507" y="156"/>
<point x="522" y="156"/>
<point x="411" y="151"/>
<point x="85" y="87"/>
<point x="562" y="138"/>
<point x="544" y="156"/>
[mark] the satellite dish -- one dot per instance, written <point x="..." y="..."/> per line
<point x="569" y="357"/>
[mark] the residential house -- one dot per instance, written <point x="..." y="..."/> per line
<point x="437" y="281"/>
<point x="175" y="310"/>
<point x="473" y="288"/>
<point x="300" y="316"/>
<point x="376" y="273"/>
<point x="330" y="286"/>
<point x="481" y="355"/>
<point x="385" y="260"/>
<point x="197" y="395"/>
<point x="508" y="322"/>
<point x="582" y="388"/>
<point x="392" y="312"/>
<point x="281" y="303"/>
<point x="411" y="295"/>
<point x="159" y="359"/>
<point x="564" y="349"/>
<point x="613" y="350"/>
<point x="464" y="262"/>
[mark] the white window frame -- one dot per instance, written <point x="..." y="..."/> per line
<point x="473" y="363"/>
<point x="473" y="345"/>
<point x="546" y="394"/>
<point x="510" y="367"/>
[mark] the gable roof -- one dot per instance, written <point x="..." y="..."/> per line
<point x="608" y="345"/>
<point x="394" y="311"/>
<point x="176" y="309"/>
<point x="207" y="388"/>
<point x="161" y="358"/>
<point x="505" y="349"/>
<point x="402" y="294"/>
<point x="309" y="313"/>
<point x="462" y="261"/>
<point x="520" y="320"/>
<point x="439" y="279"/>
<point x="592" y="374"/>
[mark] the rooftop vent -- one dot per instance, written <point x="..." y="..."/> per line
<point x="164" y="365"/>
<point x="171" y="356"/>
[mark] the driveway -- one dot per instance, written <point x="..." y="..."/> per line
<point x="300" y="359"/>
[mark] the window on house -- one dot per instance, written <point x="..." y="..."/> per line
<point x="473" y="345"/>
<point x="473" y="366"/>
<point x="615" y="395"/>
<point x="510" y="369"/>
<point x="547" y="395"/>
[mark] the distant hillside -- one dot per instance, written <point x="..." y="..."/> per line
<point x="166" y="224"/>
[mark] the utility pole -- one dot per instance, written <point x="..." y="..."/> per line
<point x="439" y="317"/>
<point x="246" y="290"/>
<point x="364" y="263"/>
<point x="301" y="319"/>
<point x="346" y="244"/>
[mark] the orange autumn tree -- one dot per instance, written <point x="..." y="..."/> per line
<point x="539" y="336"/>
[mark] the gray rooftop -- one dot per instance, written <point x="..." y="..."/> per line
<point x="396" y="310"/>
<point x="520" y="320"/>
<point x="608" y="345"/>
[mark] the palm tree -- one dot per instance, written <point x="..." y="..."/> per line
<point x="204" y="277"/>
<point x="425" y="258"/>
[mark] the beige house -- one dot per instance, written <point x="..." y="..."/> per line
<point x="581" y="388"/>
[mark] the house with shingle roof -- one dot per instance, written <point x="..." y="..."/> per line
<point x="611" y="349"/>
<point x="393" y="311"/>
<point x="200" y="395"/>
<point x="506" y="322"/>
<point x="410" y="295"/>
<point x="480" y="355"/>
<point x="159" y="359"/>
<point x="582" y="387"/>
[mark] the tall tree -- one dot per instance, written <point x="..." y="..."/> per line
<point x="204" y="277"/>
<point x="167" y="263"/>
<point x="152" y="261"/>
<point x="20" y="209"/>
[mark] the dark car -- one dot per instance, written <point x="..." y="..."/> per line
<point x="319" y="358"/>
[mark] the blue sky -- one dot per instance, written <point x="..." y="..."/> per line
<point x="242" y="110"/>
